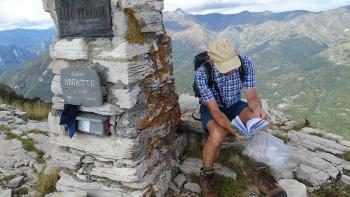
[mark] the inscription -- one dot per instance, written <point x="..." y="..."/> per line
<point x="81" y="86"/>
<point x="84" y="17"/>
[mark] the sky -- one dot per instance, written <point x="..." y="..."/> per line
<point x="29" y="14"/>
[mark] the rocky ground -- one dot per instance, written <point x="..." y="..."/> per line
<point x="319" y="165"/>
<point x="24" y="150"/>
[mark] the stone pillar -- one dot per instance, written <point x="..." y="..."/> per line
<point x="134" y="63"/>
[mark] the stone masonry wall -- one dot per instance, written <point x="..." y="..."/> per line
<point x="135" y="68"/>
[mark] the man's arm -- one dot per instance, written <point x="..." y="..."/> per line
<point x="254" y="102"/>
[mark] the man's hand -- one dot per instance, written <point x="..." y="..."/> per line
<point x="254" y="103"/>
<point x="259" y="112"/>
<point x="236" y="134"/>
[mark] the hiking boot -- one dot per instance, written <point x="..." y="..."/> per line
<point x="266" y="183"/>
<point x="206" y="179"/>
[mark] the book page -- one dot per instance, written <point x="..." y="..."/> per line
<point x="236" y="122"/>
<point x="256" y="124"/>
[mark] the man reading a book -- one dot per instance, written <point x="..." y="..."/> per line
<point x="222" y="102"/>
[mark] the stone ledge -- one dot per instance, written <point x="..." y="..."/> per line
<point x="95" y="189"/>
<point x="112" y="147"/>
<point x="106" y="108"/>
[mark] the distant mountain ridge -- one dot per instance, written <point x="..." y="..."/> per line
<point x="302" y="58"/>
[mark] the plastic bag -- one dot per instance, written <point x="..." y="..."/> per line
<point x="266" y="148"/>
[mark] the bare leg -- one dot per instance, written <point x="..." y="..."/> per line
<point x="211" y="147"/>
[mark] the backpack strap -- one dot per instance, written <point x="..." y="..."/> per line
<point x="241" y="69"/>
<point x="211" y="81"/>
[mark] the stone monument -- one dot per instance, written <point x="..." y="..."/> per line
<point x="113" y="59"/>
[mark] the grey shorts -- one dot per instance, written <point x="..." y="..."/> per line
<point x="230" y="112"/>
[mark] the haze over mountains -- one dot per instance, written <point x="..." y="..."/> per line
<point x="302" y="58"/>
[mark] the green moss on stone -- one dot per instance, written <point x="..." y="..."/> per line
<point x="134" y="34"/>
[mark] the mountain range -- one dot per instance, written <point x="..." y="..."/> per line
<point x="302" y="58"/>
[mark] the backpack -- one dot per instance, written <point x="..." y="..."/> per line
<point x="203" y="59"/>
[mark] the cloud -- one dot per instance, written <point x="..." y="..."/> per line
<point x="26" y="14"/>
<point x="235" y="6"/>
<point x="30" y="13"/>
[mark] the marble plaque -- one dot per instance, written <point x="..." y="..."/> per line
<point x="90" y="18"/>
<point x="81" y="86"/>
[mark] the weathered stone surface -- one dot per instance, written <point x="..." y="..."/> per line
<point x="35" y="125"/>
<point x="337" y="162"/>
<point x="125" y="98"/>
<point x="118" y="148"/>
<point x="180" y="145"/>
<point x="174" y="188"/>
<point x="54" y="125"/>
<point x="284" y="171"/>
<point x="16" y="182"/>
<point x="314" y="176"/>
<point x="57" y="65"/>
<point x="193" y="187"/>
<point x="160" y="187"/>
<point x="345" y="143"/>
<point x="42" y="142"/>
<point x="146" y="4"/>
<point x="61" y="157"/>
<point x="314" y="142"/>
<point x="6" y="193"/>
<point x="152" y="22"/>
<point x="56" y="85"/>
<point x="293" y="188"/>
<point x="95" y="189"/>
<point x="149" y="178"/>
<point x="126" y="174"/>
<point x="311" y="159"/>
<point x="106" y="108"/>
<point x="179" y="180"/>
<point x="68" y="194"/>
<point x="75" y="49"/>
<point x="193" y="166"/>
<point x="124" y="51"/>
<point x="12" y="154"/>
<point x="345" y="179"/>
<point x="126" y="73"/>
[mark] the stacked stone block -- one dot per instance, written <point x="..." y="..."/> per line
<point x="136" y="73"/>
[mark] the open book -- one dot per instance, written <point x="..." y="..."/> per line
<point x="253" y="125"/>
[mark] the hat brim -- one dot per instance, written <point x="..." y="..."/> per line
<point x="229" y="65"/>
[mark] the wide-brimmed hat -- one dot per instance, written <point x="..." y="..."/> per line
<point x="224" y="56"/>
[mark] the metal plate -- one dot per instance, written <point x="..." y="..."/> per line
<point x="84" y="18"/>
<point x="81" y="86"/>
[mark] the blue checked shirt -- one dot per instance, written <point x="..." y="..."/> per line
<point x="229" y="86"/>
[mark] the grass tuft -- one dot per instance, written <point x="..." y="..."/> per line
<point x="336" y="188"/>
<point x="46" y="183"/>
<point x="4" y="128"/>
<point x="35" y="108"/>
<point x="10" y="135"/>
<point x="35" y="131"/>
<point x="345" y="156"/>
<point x="21" y="191"/>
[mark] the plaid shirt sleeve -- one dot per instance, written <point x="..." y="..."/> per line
<point x="249" y="81"/>
<point x="201" y="79"/>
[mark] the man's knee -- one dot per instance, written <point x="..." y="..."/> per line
<point x="217" y="134"/>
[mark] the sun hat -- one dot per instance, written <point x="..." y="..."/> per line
<point x="224" y="56"/>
